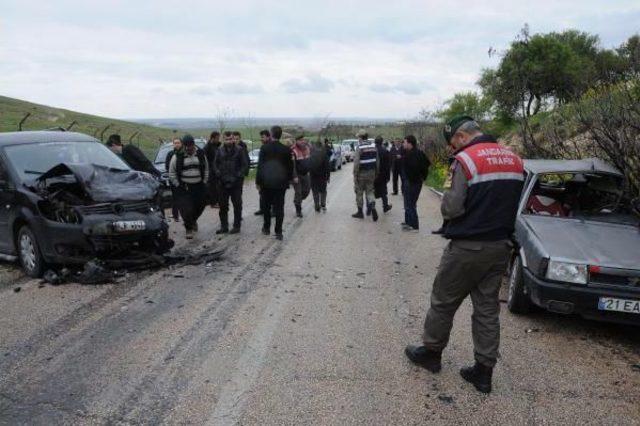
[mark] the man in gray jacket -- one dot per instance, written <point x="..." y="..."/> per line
<point x="188" y="172"/>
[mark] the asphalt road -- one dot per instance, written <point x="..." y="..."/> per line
<point x="306" y="331"/>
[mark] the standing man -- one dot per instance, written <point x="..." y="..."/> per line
<point x="414" y="170"/>
<point x="301" y="152"/>
<point x="320" y="174"/>
<point x="365" y="170"/>
<point x="481" y="209"/>
<point x="396" y="158"/>
<point x="177" y="146"/>
<point x="132" y="155"/>
<point x="188" y="172"/>
<point x="265" y="138"/>
<point x="230" y="168"/>
<point x="210" y="150"/>
<point x="275" y="171"/>
<point x="384" y="174"/>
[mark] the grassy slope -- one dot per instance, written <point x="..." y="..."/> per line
<point x="43" y="117"/>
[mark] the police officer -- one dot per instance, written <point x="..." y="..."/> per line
<point x="480" y="209"/>
<point x="365" y="170"/>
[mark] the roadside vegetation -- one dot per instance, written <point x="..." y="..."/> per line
<point x="560" y="95"/>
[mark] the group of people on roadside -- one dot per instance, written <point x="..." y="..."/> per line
<point x="373" y="167"/>
<point x="214" y="175"/>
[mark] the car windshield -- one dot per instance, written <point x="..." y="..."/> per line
<point x="32" y="160"/>
<point x="593" y="196"/>
<point x="161" y="156"/>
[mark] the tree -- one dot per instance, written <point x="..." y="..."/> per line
<point x="465" y="103"/>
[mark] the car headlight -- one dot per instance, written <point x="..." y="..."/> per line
<point x="567" y="272"/>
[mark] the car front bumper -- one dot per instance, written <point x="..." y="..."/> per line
<point x="582" y="300"/>
<point x="63" y="243"/>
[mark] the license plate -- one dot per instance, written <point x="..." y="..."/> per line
<point x="129" y="225"/>
<point x="619" y="305"/>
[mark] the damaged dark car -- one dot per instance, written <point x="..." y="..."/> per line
<point x="578" y="238"/>
<point x="68" y="199"/>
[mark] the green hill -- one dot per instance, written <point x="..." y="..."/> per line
<point x="45" y="117"/>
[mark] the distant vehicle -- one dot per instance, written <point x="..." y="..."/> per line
<point x="337" y="159"/>
<point x="579" y="243"/>
<point x="68" y="199"/>
<point x="253" y="158"/>
<point x="347" y="149"/>
<point x="159" y="163"/>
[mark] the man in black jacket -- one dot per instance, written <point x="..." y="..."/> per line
<point x="230" y="168"/>
<point x="210" y="149"/>
<point x="384" y="174"/>
<point x="132" y="156"/>
<point x="275" y="171"/>
<point x="415" y="168"/>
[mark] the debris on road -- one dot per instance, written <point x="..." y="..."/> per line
<point x="105" y="270"/>
<point x="446" y="399"/>
<point x="532" y="330"/>
<point x="17" y="289"/>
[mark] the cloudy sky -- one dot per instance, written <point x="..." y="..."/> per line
<point x="285" y="58"/>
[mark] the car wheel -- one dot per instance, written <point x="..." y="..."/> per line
<point x="29" y="253"/>
<point x="517" y="301"/>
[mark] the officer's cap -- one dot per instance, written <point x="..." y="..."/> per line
<point x="453" y="125"/>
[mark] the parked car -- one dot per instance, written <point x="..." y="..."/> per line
<point x="68" y="199"/>
<point x="253" y="158"/>
<point x="337" y="159"/>
<point x="159" y="163"/>
<point x="578" y="242"/>
<point x="348" y="146"/>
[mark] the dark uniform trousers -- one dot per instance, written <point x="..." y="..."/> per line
<point x="468" y="268"/>
<point x="235" y="194"/>
<point x="273" y="202"/>
<point x="191" y="202"/>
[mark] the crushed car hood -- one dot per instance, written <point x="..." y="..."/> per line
<point x="586" y="242"/>
<point x="103" y="184"/>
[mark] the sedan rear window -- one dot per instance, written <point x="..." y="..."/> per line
<point x="586" y="195"/>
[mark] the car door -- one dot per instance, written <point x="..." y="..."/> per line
<point x="7" y="200"/>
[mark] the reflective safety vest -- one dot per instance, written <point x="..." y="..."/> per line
<point x="495" y="176"/>
<point x="368" y="156"/>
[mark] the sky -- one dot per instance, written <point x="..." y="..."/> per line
<point x="178" y="59"/>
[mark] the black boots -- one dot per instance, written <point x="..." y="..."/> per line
<point x="419" y="355"/>
<point x="479" y="376"/>
<point x="358" y="214"/>
<point x="386" y="208"/>
<point x="298" y="211"/>
<point x="374" y="213"/>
